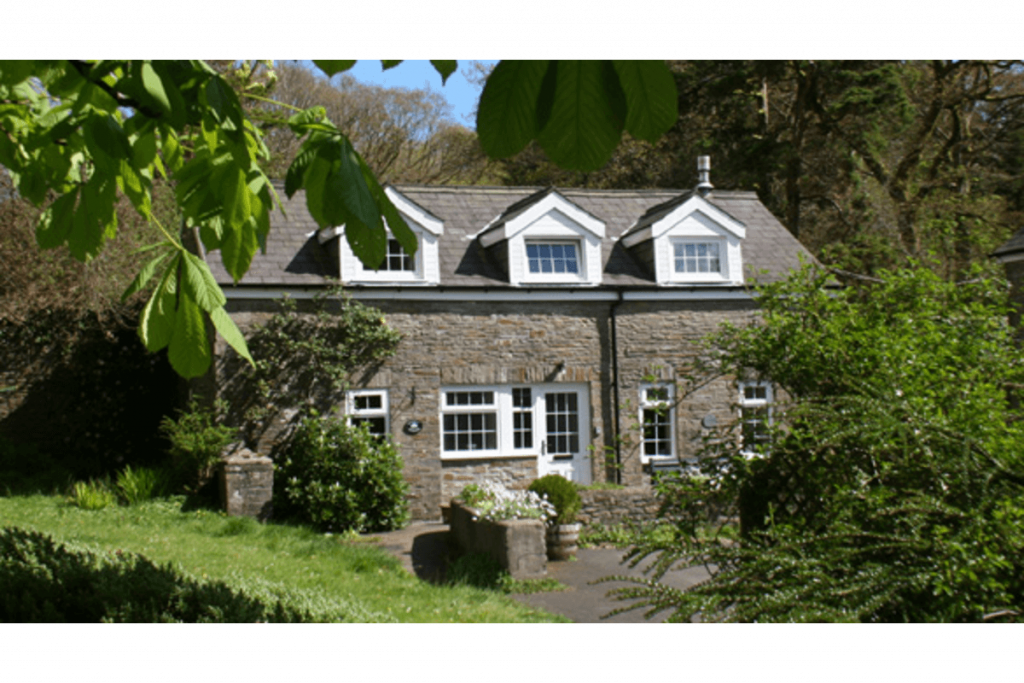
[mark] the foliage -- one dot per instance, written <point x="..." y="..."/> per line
<point x="135" y="486"/>
<point x="94" y="494"/>
<point x="494" y="503"/>
<point x="562" y="494"/>
<point x="892" y="490"/>
<point x="338" y="477"/>
<point x="75" y="133"/>
<point x="626" y="535"/>
<point x="196" y="442"/>
<point x="305" y="358"/>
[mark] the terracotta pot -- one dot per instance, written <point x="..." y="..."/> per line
<point x="562" y="540"/>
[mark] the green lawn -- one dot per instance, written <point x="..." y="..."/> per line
<point x="209" y="544"/>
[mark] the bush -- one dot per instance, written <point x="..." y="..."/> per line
<point x="196" y="443"/>
<point x="892" y="490"/>
<point x="562" y="493"/>
<point x="45" y="581"/>
<point x="338" y="477"/>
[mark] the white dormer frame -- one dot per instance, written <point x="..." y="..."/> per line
<point x="426" y="270"/>
<point x="557" y="220"/>
<point x="694" y="221"/>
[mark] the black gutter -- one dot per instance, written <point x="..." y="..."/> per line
<point x="615" y="387"/>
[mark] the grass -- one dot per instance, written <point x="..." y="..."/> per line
<point x="208" y="544"/>
<point x="483" y="571"/>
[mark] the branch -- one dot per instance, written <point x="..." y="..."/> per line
<point x="85" y="71"/>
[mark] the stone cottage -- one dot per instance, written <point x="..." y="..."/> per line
<point x="538" y="323"/>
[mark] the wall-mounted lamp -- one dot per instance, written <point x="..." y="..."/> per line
<point x="413" y="427"/>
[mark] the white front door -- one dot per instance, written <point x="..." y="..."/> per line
<point x="563" y="433"/>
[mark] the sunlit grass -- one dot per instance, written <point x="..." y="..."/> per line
<point x="209" y="544"/>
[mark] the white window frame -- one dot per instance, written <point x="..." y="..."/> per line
<point x="754" y="404"/>
<point x="668" y="404"/>
<point x="722" y="275"/>
<point x="352" y="412"/>
<point x="503" y="408"/>
<point x="415" y="275"/>
<point x="580" y="276"/>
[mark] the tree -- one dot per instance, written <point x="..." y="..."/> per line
<point x="892" y="488"/>
<point x="73" y="134"/>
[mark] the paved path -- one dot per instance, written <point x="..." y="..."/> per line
<point x="422" y="549"/>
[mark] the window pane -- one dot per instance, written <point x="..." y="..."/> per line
<point x="552" y="257"/>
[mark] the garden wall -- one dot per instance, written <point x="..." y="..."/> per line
<point x="615" y="506"/>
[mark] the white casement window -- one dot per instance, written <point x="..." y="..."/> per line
<point x="397" y="260"/>
<point x="369" y="407"/>
<point x="550" y="422"/>
<point x="513" y="420"/>
<point x="656" y="419"/>
<point x="693" y="257"/>
<point x="755" y="417"/>
<point x="551" y="257"/>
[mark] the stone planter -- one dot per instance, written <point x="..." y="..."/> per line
<point x="516" y="544"/>
<point x="562" y="540"/>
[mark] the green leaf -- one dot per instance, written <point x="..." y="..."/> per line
<point x="156" y="324"/>
<point x="189" y="349"/>
<point x="178" y="109"/>
<point x="107" y="142"/>
<point x="238" y="243"/>
<point x="445" y="67"/>
<point x="56" y="222"/>
<point x="223" y="104"/>
<point x="15" y="71"/>
<point x="154" y="86"/>
<point x="227" y="329"/>
<point x="172" y="151"/>
<point x="390" y="63"/>
<point x="399" y="228"/>
<point x="146" y="274"/>
<point x="135" y="187"/>
<point x="300" y="121"/>
<point x="651" y="97"/>
<point x="334" y="66"/>
<point x="198" y="283"/>
<point x="95" y="219"/>
<point x="296" y="175"/>
<point x="587" y="115"/>
<point x="507" y="117"/>
<point x="144" y="149"/>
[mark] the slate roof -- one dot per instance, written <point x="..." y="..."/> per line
<point x="295" y="257"/>
<point x="1013" y="246"/>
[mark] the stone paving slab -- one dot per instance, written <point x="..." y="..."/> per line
<point x="422" y="549"/>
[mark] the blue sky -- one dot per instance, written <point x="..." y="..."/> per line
<point x="462" y="94"/>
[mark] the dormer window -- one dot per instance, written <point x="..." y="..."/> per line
<point x="553" y="257"/>
<point x="689" y="241"/>
<point x="398" y="268"/>
<point x="546" y="239"/>
<point x="697" y="257"/>
<point x="397" y="259"/>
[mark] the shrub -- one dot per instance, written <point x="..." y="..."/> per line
<point x="893" y="489"/>
<point x="338" y="477"/>
<point x="562" y="493"/>
<point x="196" y="443"/>
<point x="45" y="581"/>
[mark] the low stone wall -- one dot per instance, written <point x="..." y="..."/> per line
<point x="517" y="545"/>
<point x="614" y="506"/>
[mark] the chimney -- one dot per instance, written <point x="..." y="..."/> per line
<point x="704" y="185"/>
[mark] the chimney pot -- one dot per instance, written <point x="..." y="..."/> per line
<point x="704" y="185"/>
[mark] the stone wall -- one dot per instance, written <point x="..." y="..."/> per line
<point x="498" y="343"/>
<point x="613" y="507"/>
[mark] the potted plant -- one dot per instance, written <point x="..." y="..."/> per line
<point x="563" y="531"/>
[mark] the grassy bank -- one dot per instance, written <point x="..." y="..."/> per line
<point x="208" y="544"/>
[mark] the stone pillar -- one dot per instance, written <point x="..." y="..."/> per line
<point x="247" y="485"/>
